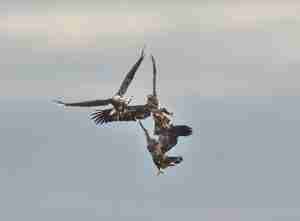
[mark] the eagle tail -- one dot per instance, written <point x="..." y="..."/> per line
<point x="182" y="130"/>
<point x="174" y="160"/>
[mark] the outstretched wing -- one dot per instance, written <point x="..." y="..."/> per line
<point x="132" y="113"/>
<point x="154" y="75"/>
<point x="91" y="103"/>
<point x="169" y="137"/>
<point x="130" y="75"/>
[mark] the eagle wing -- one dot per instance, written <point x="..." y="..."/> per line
<point x="132" y="113"/>
<point x="130" y="75"/>
<point x="91" y="103"/>
<point x="169" y="137"/>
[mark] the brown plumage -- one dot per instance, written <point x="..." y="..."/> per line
<point x="168" y="137"/>
<point x="132" y="113"/>
<point x="157" y="151"/>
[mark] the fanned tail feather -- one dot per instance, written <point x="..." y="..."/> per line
<point x="174" y="160"/>
<point x="182" y="130"/>
<point x="101" y="116"/>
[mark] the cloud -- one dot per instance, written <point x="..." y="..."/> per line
<point x="77" y="27"/>
<point x="215" y="49"/>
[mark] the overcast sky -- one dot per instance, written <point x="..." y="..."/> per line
<point x="217" y="49"/>
<point x="229" y="69"/>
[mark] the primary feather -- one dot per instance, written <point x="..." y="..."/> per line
<point x="132" y="113"/>
<point x="91" y="103"/>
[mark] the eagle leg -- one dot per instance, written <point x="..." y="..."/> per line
<point x="159" y="172"/>
<point x="164" y="110"/>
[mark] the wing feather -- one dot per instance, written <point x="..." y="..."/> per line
<point x="91" y="103"/>
<point x="133" y="113"/>
<point x="154" y="75"/>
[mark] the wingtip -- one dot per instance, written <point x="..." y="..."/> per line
<point x="143" y="51"/>
<point x="153" y="60"/>
<point x="60" y="103"/>
<point x="98" y="117"/>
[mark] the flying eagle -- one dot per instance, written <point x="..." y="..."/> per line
<point x="134" y="112"/>
<point x="118" y="101"/>
<point x="157" y="151"/>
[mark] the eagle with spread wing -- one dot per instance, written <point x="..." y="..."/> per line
<point x="134" y="112"/>
<point x="158" y="152"/>
<point x="118" y="101"/>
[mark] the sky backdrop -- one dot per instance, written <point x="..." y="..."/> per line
<point x="229" y="69"/>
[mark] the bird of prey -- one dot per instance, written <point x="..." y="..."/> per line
<point x="133" y="112"/>
<point x="157" y="151"/>
<point x="118" y="101"/>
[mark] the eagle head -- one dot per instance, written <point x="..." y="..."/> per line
<point x="117" y="98"/>
<point x="152" y="101"/>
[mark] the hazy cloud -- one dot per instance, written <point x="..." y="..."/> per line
<point x="208" y="49"/>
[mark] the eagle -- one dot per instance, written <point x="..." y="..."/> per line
<point x="158" y="151"/>
<point x="135" y="112"/>
<point x="118" y="101"/>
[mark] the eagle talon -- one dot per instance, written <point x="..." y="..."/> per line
<point x="159" y="172"/>
<point x="129" y="100"/>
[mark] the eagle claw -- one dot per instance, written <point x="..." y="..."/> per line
<point x="159" y="172"/>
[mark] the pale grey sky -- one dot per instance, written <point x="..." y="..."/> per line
<point x="229" y="69"/>
<point x="233" y="48"/>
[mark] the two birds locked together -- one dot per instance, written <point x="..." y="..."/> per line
<point x="121" y="111"/>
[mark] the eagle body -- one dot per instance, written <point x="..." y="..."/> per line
<point x="158" y="153"/>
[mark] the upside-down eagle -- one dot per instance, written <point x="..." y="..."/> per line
<point x="167" y="140"/>
<point x="156" y="149"/>
<point x="118" y="101"/>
